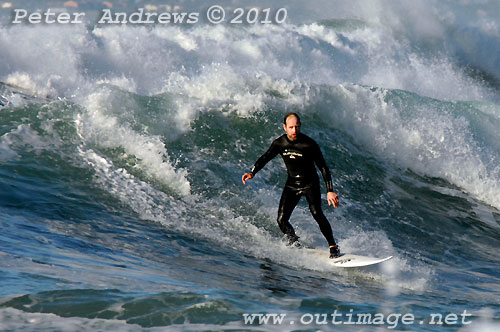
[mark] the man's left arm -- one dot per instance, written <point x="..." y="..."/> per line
<point x="332" y="197"/>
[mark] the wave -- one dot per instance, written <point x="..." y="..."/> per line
<point x="122" y="149"/>
<point x="166" y="116"/>
<point x="454" y="141"/>
<point x="68" y="61"/>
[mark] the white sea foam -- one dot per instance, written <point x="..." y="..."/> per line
<point x="14" y="320"/>
<point x="49" y="60"/>
<point x="25" y="138"/>
<point x="99" y="125"/>
<point x="17" y="320"/>
<point x="430" y="141"/>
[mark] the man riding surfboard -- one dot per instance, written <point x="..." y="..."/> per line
<point x="300" y="154"/>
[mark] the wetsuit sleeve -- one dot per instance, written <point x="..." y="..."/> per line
<point x="266" y="157"/>
<point x="325" y="172"/>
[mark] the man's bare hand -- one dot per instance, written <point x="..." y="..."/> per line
<point x="332" y="198"/>
<point x="246" y="177"/>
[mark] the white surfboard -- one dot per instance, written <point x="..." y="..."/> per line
<point x="348" y="260"/>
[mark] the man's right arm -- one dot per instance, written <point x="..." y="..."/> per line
<point x="266" y="157"/>
<point x="262" y="161"/>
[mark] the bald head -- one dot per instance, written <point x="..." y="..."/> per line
<point x="291" y="115"/>
<point x="291" y="124"/>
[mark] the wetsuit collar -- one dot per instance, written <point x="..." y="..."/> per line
<point x="299" y="136"/>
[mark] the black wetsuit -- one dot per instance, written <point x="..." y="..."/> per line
<point x="299" y="157"/>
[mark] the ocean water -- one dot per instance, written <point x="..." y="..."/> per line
<point x="122" y="149"/>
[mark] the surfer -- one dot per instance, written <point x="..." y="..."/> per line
<point x="300" y="153"/>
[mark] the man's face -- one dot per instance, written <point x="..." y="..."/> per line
<point x="292" y="128"/>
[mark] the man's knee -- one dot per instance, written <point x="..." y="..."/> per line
<point x="318" y="215"/>
<point x="280" y="218"/>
